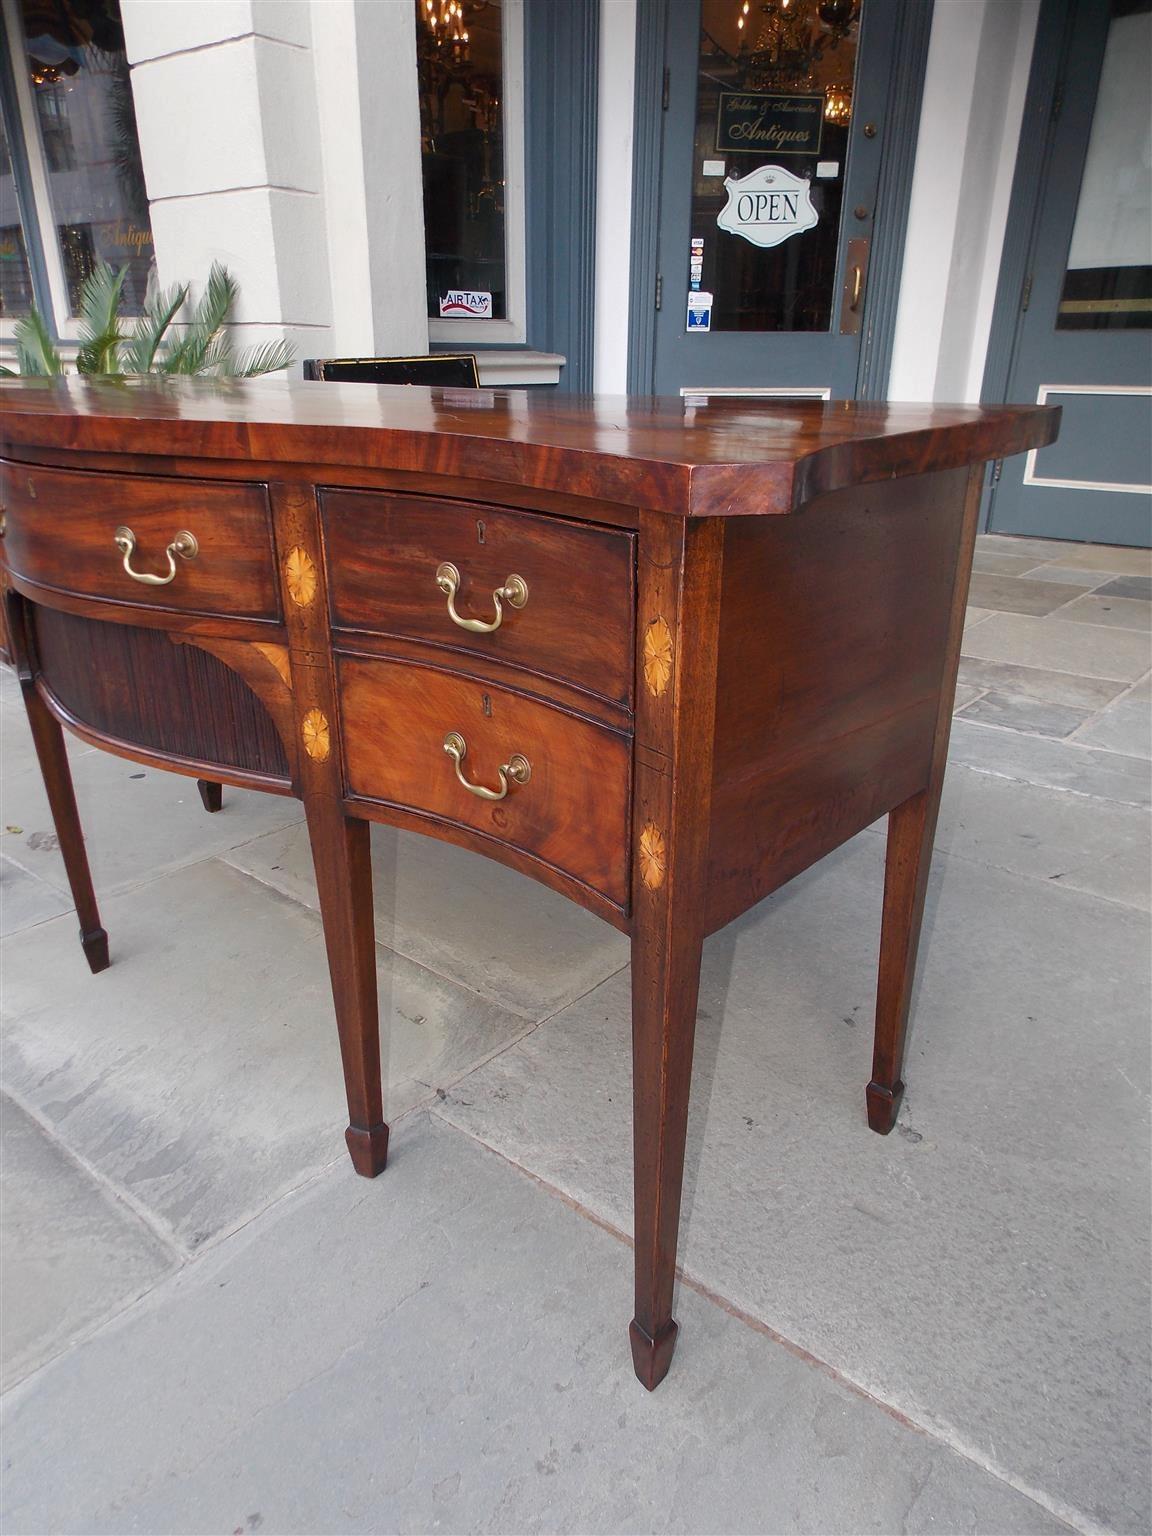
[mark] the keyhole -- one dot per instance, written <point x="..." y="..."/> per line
<point x="480" y="529"/>
<point x="486" y="705"/>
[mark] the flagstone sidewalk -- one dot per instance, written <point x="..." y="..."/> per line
<point x="209" y="1323"/>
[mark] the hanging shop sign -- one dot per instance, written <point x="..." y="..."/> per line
<point x="750" y="123"/>
<point x="768" y="206"/>
<point x="466" y="304"/>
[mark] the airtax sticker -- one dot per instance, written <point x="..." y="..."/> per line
<point x="465" y="304"/>
<point x="768" y="206"/>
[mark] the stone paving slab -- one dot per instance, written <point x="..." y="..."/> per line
<point x="463" y="916"/>
<point x="72" y="1252"/>
<point x="1078" y="842"/>
<point x="25" y="899"/>
<point x="1087" y="693"/>
<point x="1006" y="593"/>
<point x="1126" y="727"/>
<point x="1055" y="644"/>
<point x="138" y="822"/>
<point x="201" y="1071"/>
<point x="444" y="1349"/>
<point x="985" y="1268"/>
<point x="1036" y="717"/>
<point x="1081" y="770"/>
<point x="1110" y="610"/>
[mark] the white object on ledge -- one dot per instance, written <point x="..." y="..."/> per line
<point x="506" y="369"/>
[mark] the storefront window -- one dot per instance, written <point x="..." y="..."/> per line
<point x="1108" y="284"/>
<point x="77" y="122"/>
<point x="469" y="142"/>
<point x="15" y="278"/>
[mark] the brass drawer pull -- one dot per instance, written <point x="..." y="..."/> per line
<point x="184" y="545"/>
<point x="514" y="592"/>
<point x="517" y="769"/>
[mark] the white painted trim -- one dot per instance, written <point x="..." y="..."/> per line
<point x="66" y="326"/>
<point x="518" y="366"/>
<point x="515" y="327"/>
<point x="1030" y="475"/>
<point x="767" y="392"/>
<point x="615" y="104"/>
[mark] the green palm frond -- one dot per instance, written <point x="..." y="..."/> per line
<point x="100" y="333"/>
<point x="198" y="349"/>
<point x="220" y="293"/>
<point x="140" y="352"/>
<point x="268" y="357"/>
<point x="35" y="350"/>
<point x="157" y="343"/>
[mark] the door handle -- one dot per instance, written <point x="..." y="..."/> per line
<point x="855" y="285"/>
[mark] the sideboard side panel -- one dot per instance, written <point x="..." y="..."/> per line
<point x="833" y="637"/>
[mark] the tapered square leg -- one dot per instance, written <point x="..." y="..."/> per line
<point x="911" y="830"/>
<point x="48" y="739"/>
<point x="342" y="858"/>
<point x="680" y="575"/>
<point x="911" y="834"/>
<point x="211" y="794"/>
<point x="665" y="985"/>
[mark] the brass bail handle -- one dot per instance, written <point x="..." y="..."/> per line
<point x="516" y="770"/>
<point x="184" y="544"/>
<point x="514" y="592"/>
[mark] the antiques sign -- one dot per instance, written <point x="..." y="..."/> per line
<point x="749" y="123"/>
<point x="768" y="206"/>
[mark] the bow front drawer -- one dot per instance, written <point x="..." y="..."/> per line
<point x="542" y="780"/>
<point x="202" y="546"/>
<point x="542" y="593"/>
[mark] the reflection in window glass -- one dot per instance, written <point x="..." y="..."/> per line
<point x="15" y="278"/>
<point x="1108" y="284"/>
<point x="460" y="72"/>
<point x="74" y="53"/>
<point x="774" y="89"/>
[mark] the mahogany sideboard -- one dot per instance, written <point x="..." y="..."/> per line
<point x="660" y="655"/>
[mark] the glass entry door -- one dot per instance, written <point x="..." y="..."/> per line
<point x="773" y="133"/>
<point x="1084" y="314"/>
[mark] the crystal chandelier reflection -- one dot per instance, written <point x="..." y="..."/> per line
<point x="446" y="27"/>
<point x="782" y="47"/>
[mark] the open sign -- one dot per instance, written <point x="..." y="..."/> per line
<point x="768" y="206"/>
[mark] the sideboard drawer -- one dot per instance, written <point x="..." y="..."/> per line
<point x="571" y="619"/>
<point x="63" y="525"/>
<point x="571" y="807"/>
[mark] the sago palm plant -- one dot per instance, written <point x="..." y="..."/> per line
<point x="202" y="345"/>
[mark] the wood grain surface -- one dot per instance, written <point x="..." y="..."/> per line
<point x="721" y="459"/>
<point x="576" y="626"/>
<point x="572" y="813"/>
<point x="61" y="525"/>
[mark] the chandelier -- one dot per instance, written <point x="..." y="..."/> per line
<point x="446" y="28"/>
<point x="784" y="45"/>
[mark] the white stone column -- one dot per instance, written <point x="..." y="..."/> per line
<point x="979" y="59"/>
<point x="260" y="150"/>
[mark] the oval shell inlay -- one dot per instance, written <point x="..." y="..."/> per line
<point x="300" y="576"/>
<point x="653" y="856"/>
<point x="316" y="736"/>
<point x="657" y="656"/>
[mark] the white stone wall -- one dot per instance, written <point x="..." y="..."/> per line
<point x="282" y="138"/>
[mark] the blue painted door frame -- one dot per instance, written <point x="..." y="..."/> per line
<point x="665" y="49"/>
<point x="1086" y="486"/>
